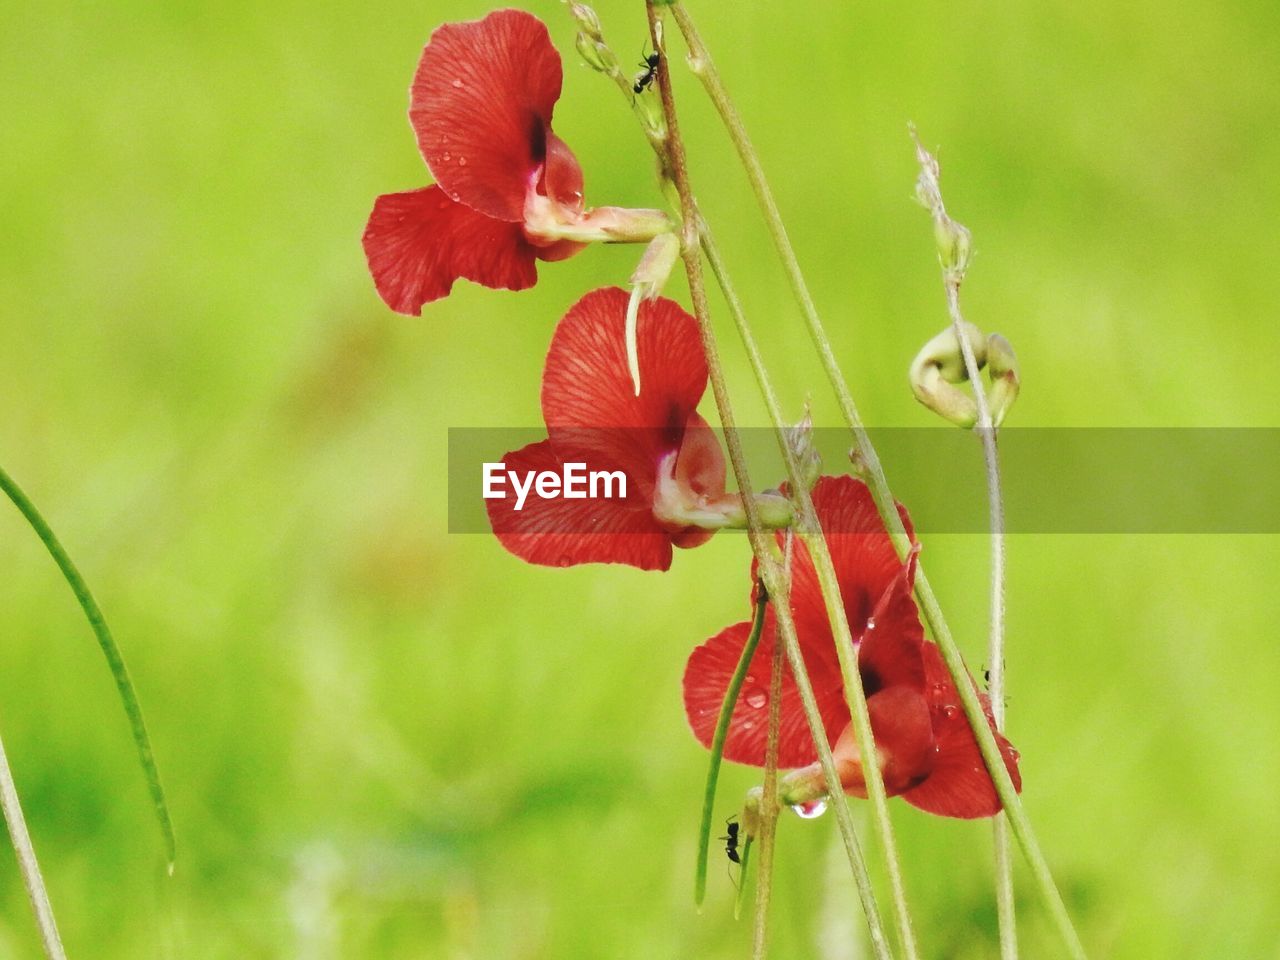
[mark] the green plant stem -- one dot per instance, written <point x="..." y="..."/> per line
<point x="718" y="739"/>
<point x="816" y="544"/>
<point x="769" y="788"/>
<point x="770" y="569"/>
<point x="744" y="853"/>
<point x="701" y="64"/>
<point x="27" y="863"/>
<point x="115" y="660"/>
<point x="1005" y="910"/>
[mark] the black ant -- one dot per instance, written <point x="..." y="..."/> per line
<point x="650" y="64"/>
<point x="731" y="840"/>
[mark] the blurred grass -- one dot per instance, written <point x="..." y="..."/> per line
<point x="384" y="741"/>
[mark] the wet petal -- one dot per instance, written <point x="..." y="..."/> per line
<point x="481" y="105"/>
<point x="959" y="785"/>
<point x="706" y="678"/>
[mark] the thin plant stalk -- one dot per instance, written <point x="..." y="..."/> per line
<point x="769" y="788"/>
<point x="811" y="534"/>
<point x="816" y="544"/>
<point x="1005" y="910"/>
<point x="702" y="66"/>
<point x="952" y="277"/>
<point x="27" y="863"/>
<point x="115" y="660"/>
<point x="761" y="544"/>
<point x="720" y="735"/>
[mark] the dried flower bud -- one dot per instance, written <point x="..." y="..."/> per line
<point x="801" y="446"/>
<point x="588" y="20"/>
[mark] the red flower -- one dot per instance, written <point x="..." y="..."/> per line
<point x="927" y="752"/>
<point x="671" y="460"/>
<point x="508" y="191"/>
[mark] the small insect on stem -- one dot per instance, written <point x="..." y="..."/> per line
<point x="731" y="840"/>
<point x="650" y="64"/>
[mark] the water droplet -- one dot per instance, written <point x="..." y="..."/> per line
<point x="810" y="810"/>
<point x="447" y="156"/>
<point x="457" y="84"/>
<point x="756" y="698"/>
<point x="462" y="161"/>
<point x="950" y="712"/>
<point x="871" y="624"/>
<point x="748" y="724"/>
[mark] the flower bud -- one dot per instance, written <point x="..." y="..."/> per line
<point x="595" y="53"/>
<point x="1002" y="367"/>
<point x="938" y="366"/>
<point x="588" y="20"/>
<point x="800" y="444"/>
<point x="954" y="244"/>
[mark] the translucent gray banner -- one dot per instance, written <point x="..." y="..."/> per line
<point x="1056" y="480"/>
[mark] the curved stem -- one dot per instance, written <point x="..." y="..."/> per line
<point x="27" y="862"/>
<point x="769" y="567"/>
<point x="700" y="62"/>
<point x="115" y="660"/>
<point x="718" y="739"/>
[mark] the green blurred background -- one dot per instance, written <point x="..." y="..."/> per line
<point x="381" y="740"/>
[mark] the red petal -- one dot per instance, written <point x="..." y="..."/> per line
<point x="562" y="533"/>
<point x="562" y="175"/>
<point x="706" y="678"/>
<point x="959" y="785"/>
<point x="418" y="243"/>
<point x="891" y="649"/>
<point x="481" y="105"/>
<point x="588" y="399"/>
<point x="904" y="740"/>
<point x="864" y="557"/>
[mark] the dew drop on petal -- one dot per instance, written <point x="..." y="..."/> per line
<point x="756" y="698"/>
<point x="457" y="84"/>
<point x="811" y="810"/>
<point x="462" y="161"/>
<point x="748" y="724"/>
<point x="950" y="712"/>
<point x="871" y="624"/>
<point x="447" y="156"/>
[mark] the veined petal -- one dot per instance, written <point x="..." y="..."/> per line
<point x="419" y="242"/>
<point x="959" y="785"/>
<point x="481" y="105"/>
<point x="862" y="553"/>
<point x="562" y="532"/>
<point x="588" y="399"/>
<point x="706" y="678"/>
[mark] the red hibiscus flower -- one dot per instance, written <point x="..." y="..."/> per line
<point x="508" y="191"/>
<point x="926" y="751"/>
<point x="673" y="487"/>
